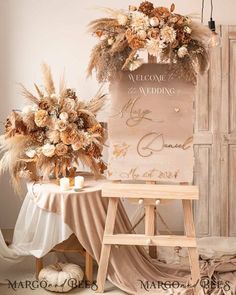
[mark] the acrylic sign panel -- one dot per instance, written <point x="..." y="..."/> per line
<point x="151" y="126"/>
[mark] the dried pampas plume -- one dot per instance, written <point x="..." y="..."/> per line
<point x="48" y="80"/>
<point x="49" y="136"/>
<point x="123" y="34"/>
<point x="201" y="33"/>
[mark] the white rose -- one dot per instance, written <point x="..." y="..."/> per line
<point x="64" y="116"/>
<point x="154" y="21"/>
<point x="48" y="150"/>
<point x="182" y="51"/>
<point x="30" y="153"/>
<point x="122" y="19"/>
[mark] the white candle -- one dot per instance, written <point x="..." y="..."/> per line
<point x="64" y="183"/>
<point x="79" y="182"/>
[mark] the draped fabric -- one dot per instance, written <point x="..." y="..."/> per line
<point x="49" y="216"/>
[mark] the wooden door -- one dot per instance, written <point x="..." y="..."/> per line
<point x="215" y="141"/>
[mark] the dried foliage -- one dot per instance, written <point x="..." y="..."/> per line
<point x="168" y="36"/>
<point x="52" y="134"/>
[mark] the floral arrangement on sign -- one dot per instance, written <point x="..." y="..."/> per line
<point x="52" y="135"/>
<point x="165" y="35"/>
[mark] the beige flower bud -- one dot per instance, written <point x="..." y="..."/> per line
<point x="110" y="41"/>
<point x="122" y="19"/>
<point x="154" y="21"/>
<point x="142" y="34"/>
<point x="182" y="51"/>
<point x="30" y="153"/>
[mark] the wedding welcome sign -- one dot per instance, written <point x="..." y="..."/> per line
<point x="151" y="126"/>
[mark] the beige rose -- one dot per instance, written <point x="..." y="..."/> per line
<point x="48" y="150"/>
<point x="61" y="125"/>
<point x="61" y="149"/>
<point x="73" y="116"/>
<point x="41" y="118"/>
<point x="70" y="135"/>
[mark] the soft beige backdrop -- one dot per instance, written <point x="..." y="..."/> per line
<point x="54" y="31"/>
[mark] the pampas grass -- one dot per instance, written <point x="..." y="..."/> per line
<point x="27" y="94"/>
<point x="12" y="149"/>
<point x="109" y="58"/>
<point x="52" y="133"/>
<point x="48" y="80"/>
<point x="201" y="33"/>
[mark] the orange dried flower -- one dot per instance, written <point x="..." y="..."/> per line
<point x="136" y="43"/>
<point x="153" y="33"/>
<point x="93" y="151"/>
<point x="161" y="12"/>
<point x="102" y="167"/>
<point x="96" y="129"/>
<point x="146" y="7"/>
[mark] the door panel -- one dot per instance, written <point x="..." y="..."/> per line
<point x="215" y="141"/>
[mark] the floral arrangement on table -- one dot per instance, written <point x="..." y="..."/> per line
<point x="167" y="36"/>
<point x="53" y="134"/>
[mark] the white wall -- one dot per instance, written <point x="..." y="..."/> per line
<point x="54" y="31"/>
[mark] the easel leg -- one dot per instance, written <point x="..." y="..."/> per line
<point x="150" y="227"/>
<point x="106" y="249"/>
<point x="88" y="267"/>
<point x="193" y="252"/>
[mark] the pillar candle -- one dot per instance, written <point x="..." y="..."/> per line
<point x="79" y="182"/>
<point x="64" y="183"/>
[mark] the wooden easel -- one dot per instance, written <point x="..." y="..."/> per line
<point x="151" y="195"/>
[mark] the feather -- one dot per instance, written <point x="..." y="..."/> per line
<point x="62" y="86"/>
<point x="48" y="80"/>
<point x="97" y="102"/>
<point x="27" y="94"/>
<point x="108" y="24"/>
<point x="94" y="59"/>
<point x="40" y="93"/>
<point x="200" y="33"/>
<point x="120" y="43"/>
<point x="129" y="59"/>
